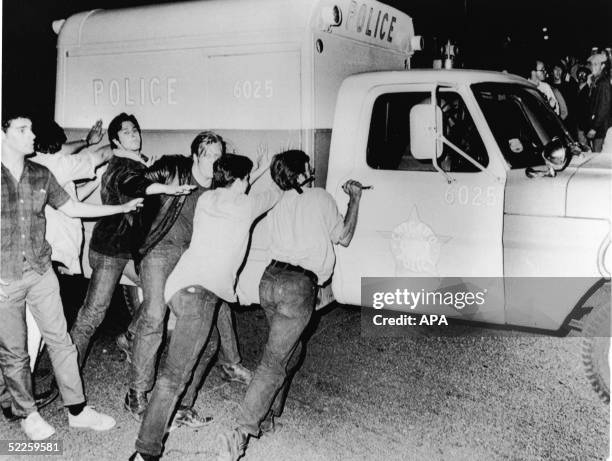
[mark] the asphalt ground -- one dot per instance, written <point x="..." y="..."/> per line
<point x="473" y="394"/>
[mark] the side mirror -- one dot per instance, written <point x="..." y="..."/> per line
<point x="556" y="157"/>
<point x="425" y="119"/>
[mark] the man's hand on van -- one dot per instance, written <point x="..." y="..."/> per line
<point x="353" y="189"/>
<point x="95" y="135"/>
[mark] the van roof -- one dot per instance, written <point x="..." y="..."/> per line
<point x="454" y="76"/>
<point x="205" y="20"/>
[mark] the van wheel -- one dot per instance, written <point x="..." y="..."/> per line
<point x="132" y="296"/>
<point x="596" y="346"/>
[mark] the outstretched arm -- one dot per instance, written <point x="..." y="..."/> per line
<point x="76" y="209"/>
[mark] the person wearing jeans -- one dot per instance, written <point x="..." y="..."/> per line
<point x="167" y="240"/>
<point x="27" y="276"/>
<point x="305" y="225"/>
<point x="114" y="237"/>
<point x="204" y="275"/>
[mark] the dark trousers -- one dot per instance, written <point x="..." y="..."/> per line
<point x="288" y="298"/>
<point x="195" y="308"/>
<point x="148" y="325"/>
<point x="106" y="273"/>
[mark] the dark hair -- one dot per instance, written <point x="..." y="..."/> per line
<point x="287" y="166"/>
<point x="228" y="168"/>
<point x="49" y="136"/>
<point x="206" y="137"/>
<point x="168" y="167"/>
<point x="8" y="116"/>
<point x="115" y="126"/>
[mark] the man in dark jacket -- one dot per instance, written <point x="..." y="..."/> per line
<point x="600" y="102"/>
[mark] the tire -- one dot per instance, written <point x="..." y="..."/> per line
<point x="596" y="345"/>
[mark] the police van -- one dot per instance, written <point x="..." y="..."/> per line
<point x="473" y="177"/>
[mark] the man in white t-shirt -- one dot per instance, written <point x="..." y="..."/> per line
<point x="204" y="276"/>
<point x="305" y="226"/>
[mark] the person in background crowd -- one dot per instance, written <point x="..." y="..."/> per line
<point x="26" y="273"/>
<point x="204" y="275"/>
<point x="538" y="76"/>
<point x="167" y="240"/>
<point x="564" y="84"/>
<point x="305" y="225"/>
<point x="583" y="118"/>
<point x="600" y="106"/>
<point x="114" y="237"/>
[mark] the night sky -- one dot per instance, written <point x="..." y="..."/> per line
<point x="492" y="34"/>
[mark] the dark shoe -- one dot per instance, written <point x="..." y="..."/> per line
<point x="45" y="398"/>
<point x="236" y="372"/>
<point x="232" y="445"/>
<point x="8" y="414"/>
<point x="268" y="426"/>
<point x="141" y="457"/>
<point x="136" y="403"/>
<point x="124" y="343"/>
<point x="186" y="416"/>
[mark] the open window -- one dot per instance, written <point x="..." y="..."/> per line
<point x="389" y="138"/>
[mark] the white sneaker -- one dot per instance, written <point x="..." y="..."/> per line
<point x="36" y="428"/>
<point x="91" y="419"/>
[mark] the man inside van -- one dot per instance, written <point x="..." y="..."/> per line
<point x="26" y="275"/>
<point x="306" y="224"/>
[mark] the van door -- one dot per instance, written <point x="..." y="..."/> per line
<point x="414" y="222"/>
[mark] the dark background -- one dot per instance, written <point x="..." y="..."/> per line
<point x="491" y="34"/>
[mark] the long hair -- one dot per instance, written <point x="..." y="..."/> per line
<point x="228" y="168"/>
<point x="169" y="167"/>
<point x="115" y="126"/>
<point x="207" y="137"/>
<point x="287" y="166"/>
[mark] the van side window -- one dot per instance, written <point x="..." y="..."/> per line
<point x="389" y="139"/>
<point x="460" y="129"/>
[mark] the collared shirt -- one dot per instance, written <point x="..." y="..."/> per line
<point x="23" y="223"/>
<point x="65" y="234"/>
<point x="117" y="234"/>
<point x="304" y="228"/>
<point x="221" y="227"/>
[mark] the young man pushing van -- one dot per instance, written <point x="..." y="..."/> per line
<point x="306" y="224"/>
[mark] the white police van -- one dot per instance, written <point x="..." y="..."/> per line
<point x="447" y="152"/>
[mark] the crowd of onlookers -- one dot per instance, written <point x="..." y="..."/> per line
<point x="580" y="92"/>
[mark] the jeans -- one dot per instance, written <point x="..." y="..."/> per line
<point x="148" y="326"/>
<point x="41" y="292"/>
<point x="288" y="299"/>
<point x="194" y="307"/>
<point x="106" y="273"/>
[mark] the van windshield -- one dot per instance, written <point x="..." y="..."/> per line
<point x="521" y="121"/>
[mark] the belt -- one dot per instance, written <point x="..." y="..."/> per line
<point x="290" y="267"/>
